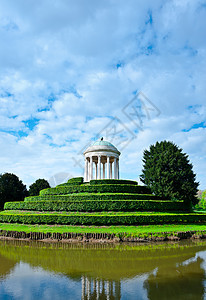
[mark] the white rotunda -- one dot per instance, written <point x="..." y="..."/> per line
<point x="104" y="157"/>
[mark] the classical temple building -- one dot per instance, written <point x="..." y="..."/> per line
<point x="101" y="161"/>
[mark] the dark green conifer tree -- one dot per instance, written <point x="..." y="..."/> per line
<point x="168" y="172"/>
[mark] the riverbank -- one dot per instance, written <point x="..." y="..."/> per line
<point x="147" y="233"/>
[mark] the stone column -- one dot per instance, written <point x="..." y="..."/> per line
<point x="91" y="168"/>
<point x="110" y="176"/>
<point x="88" y="169"/>
<point x="108" y="169"/>
<point x="95" y="170"/>
<point x="115" y="168"/>
<point x="99" y="167"/>
<point x="85" y="170"/>
<point x="103" y="170"/>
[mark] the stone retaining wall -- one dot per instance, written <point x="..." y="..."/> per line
<point x="102" y="237"/>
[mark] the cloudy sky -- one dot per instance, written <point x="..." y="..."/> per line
<point x="73" y="71"/>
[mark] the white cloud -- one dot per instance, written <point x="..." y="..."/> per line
<point x="66" y="67"/>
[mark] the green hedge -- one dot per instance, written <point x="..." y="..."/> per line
<point x="93" y="196"/>
<point x="101" y="188"/>
<point x="112" y="181"/>
<point x="74" y="181"/>
<point x="102" y="205"/>
<point x="101" y="219"/>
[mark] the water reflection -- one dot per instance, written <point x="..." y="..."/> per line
<point x="100" y="289"/>
<point x="35" y="270"/>
<point x="177" y="282"/>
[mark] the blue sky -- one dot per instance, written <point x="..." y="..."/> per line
<point x="71" y="71"/>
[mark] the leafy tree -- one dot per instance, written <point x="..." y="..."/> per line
<point x="37" y="186"/>
<point x="168" y="172"/>
<point x="202" y="201"/>
<point x="11" y="189"/>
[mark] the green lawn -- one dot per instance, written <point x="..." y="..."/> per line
<point x="130" y="230"/>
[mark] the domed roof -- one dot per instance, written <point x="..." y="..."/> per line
<point x="102" y="145"/>
<point x="101" y="142"/>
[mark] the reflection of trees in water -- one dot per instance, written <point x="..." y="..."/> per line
<point x="6" y="266"/>
<point x="100" y="289"/>
<point x="173" y="280"/>
<point x="182" y="281"/>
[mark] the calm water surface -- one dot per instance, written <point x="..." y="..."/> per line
<point x="35" y="270"/>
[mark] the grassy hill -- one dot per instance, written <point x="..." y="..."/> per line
<point x="99" y="202"/>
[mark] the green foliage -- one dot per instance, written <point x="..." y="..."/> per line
<point x="98" y="205"/>
<point x="11" y="189"/>
<point x="112" y="181"/>
<point x="202" y="202"/>
<point x="121" y="229"/>
<point x="107" y="218"/>
<point x="37" y="186"/>
<point x="75" y="181"/>
<point x="98" y="188"/>
<point x="105" y="203"/>
<point x="93" y="196"/>
<point x="168" y="172"/>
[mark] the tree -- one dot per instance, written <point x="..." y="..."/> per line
<point x="11" y="189"/>
<point x="202" y="201"/>
<point x="37" y="186"/>
<point x="168" y="173"/>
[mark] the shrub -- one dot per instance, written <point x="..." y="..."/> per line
<point x="93" y="196"/>
<point x="11" y="189"/>
<point x="101" y="188"/>
<point x="75" y="181"/>
<point x="101" y="218"/>
<point x="168" y="173"/>
<point x="100" y="205"/>
<point x="37" y="186"/>
<point x="202" y="202"/>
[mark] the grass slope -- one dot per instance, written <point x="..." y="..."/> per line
<point x="130" y="230"/>
<point x="100" y="202"/>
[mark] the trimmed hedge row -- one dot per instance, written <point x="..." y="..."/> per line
<point x="104" y="219"/>
<point x="112" y="181"/>
<point x="102" y="205"/>
<point x="75" y="181"/>
<point x="98" y="188"/>
<point x="93" y="196"/>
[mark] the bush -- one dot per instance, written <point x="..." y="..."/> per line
<point x="75" y="181"/>
<point x="101" y="205"/>
<point x="101" y="218"/>
<point x="101" y="188"/>
<point x="93" y="196"/>
<point x="37" y="186"/>
<point x="168" y="173"/>
<point x="202" y="202"/>
<point x="11" y="189"/>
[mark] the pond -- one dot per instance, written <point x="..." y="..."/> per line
<point x="37" y="270"/>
